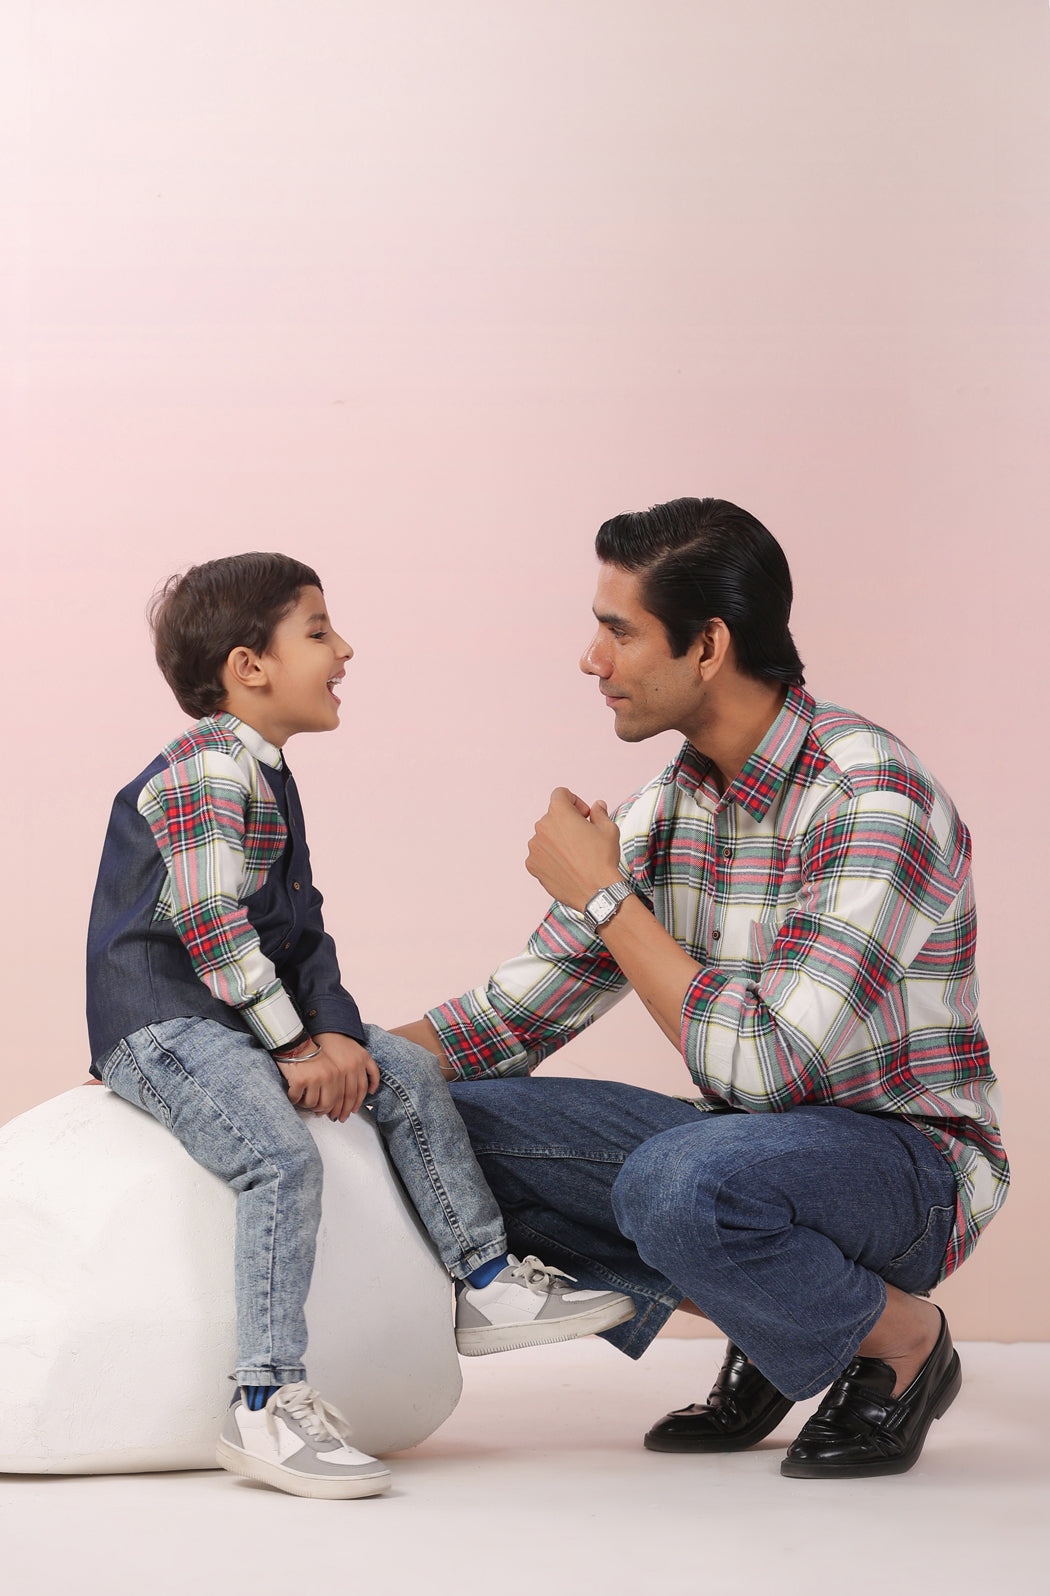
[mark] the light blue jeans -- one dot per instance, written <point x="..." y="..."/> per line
<point x="220" y="1093"/>
<point x="783" y="1228"/>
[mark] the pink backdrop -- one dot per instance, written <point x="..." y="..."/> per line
<point x="422" y="294"/>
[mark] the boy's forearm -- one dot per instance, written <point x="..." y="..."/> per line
<point x="422" y="1032"/>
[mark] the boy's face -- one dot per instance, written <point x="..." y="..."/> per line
<point x="304" y="663"/>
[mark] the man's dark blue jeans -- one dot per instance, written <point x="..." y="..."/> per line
<point x="782" y="1228"/>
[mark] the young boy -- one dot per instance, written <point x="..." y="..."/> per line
<point x="214" y="1002"/>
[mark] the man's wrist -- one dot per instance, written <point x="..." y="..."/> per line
<point x="603" y="905"/>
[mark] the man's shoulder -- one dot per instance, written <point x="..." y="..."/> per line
<point x="858" y="756"/>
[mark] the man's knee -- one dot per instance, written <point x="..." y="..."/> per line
<point x="657" y="1186"/>
<point x="690" y="1179"/>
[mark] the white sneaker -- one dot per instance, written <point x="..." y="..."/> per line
<point x="527" y="1305"/>
<point x="299" y="1444"/>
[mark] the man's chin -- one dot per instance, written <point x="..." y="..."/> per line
<point x="631" y="734"/>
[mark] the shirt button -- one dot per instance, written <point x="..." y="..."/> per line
<point x="295" y="884"/>
<point x="311" y="1014"/>
<point x="287" y="945"/>
<point x="715" y="935"/>
<point x="727" y="853"/>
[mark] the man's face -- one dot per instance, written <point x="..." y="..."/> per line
<point x="647" y="689"/>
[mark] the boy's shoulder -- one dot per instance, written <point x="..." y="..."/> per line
<point x="209" y="735"/>
<point x="204" y="755"/>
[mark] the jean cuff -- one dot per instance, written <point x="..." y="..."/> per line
<point x="470" y="1261"/>
<point x="831" y="1372"/>
<point x="287" y="1374"/>
<point x="632" y="1338"/>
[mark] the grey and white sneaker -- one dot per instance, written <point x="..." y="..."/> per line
<point x="299" y="1444"/>
<point x="528" y="1305"/>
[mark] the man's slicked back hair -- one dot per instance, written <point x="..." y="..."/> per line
<point x="198" y="618"/>
<point x="702" y="558"/>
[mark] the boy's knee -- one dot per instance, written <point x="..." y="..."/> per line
<point x="296" y="1159"/>
<point x="399" y="1060"/>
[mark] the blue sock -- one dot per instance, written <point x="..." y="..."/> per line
<point x="256" y="1396"/>
<point x="486" y="1272"/>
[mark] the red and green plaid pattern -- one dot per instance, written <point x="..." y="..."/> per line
<point x="827" y="896"/>
<point x="220" y="831"/>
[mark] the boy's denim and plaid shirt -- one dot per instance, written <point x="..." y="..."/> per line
<point x="827" y="897"/>
<point x="205" y="904"/>
<point x="219" y="831"/>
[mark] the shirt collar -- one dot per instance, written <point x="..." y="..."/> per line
<point x="766" y="769"/>
<point x="254" y="741"/>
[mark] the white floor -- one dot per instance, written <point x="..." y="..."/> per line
<point x="538" y="1486"/>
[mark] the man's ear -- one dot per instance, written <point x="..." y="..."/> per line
<point x="712" y="648"/>
<point x="244" y="668"/>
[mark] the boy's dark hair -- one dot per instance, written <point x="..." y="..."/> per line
<point x="199" y="617"/>
<point x="702" y="558"/>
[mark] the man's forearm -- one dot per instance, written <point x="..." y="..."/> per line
<point x="658" y="967"/>
<point x="422" y="1032"/>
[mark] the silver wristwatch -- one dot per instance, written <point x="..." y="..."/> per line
<point x="605" y="903"/>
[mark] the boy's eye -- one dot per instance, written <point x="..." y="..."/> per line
<point x="319" y="634"/>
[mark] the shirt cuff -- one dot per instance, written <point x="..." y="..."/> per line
<point x="335" y="1014"/>
<point x="476" y="1041"/>
<point x="711" y="1017"/>
<point x="274" y="1019"/>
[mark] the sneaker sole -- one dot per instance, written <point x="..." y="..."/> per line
<point x="296" y="1484"/>
<point x="479" y="1340"/>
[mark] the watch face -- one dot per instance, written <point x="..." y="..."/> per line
<point x="602" y="904"/>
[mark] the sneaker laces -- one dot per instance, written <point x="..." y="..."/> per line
<point x="538" y="1276"/>
<point x="302" y="1403"/>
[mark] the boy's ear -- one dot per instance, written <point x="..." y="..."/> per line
<point x="244" y="668"/>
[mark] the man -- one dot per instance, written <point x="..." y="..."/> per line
<point x="792" y="900"/>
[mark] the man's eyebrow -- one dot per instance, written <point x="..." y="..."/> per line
<point x="610" y="619"/>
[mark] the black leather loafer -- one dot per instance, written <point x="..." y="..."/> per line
<point x="742" y="1408"/>
<point x="860" y="1429"/>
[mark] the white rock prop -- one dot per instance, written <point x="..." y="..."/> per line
<point x="116" y="1295"/>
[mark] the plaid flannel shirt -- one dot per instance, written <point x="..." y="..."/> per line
<point x="828" y="899"/>
<point x="220" y="832"/>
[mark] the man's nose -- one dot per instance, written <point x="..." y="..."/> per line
<point x="588" y="659"/>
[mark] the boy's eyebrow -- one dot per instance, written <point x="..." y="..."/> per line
<point x="315" y="618"/>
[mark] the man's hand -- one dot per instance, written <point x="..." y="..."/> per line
<point x="334" y="1082"/>
<point x="422" y="1032"/>
<point x="575" y="850"/>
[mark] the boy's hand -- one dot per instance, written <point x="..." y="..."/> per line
<point x="336" y="1081"/>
